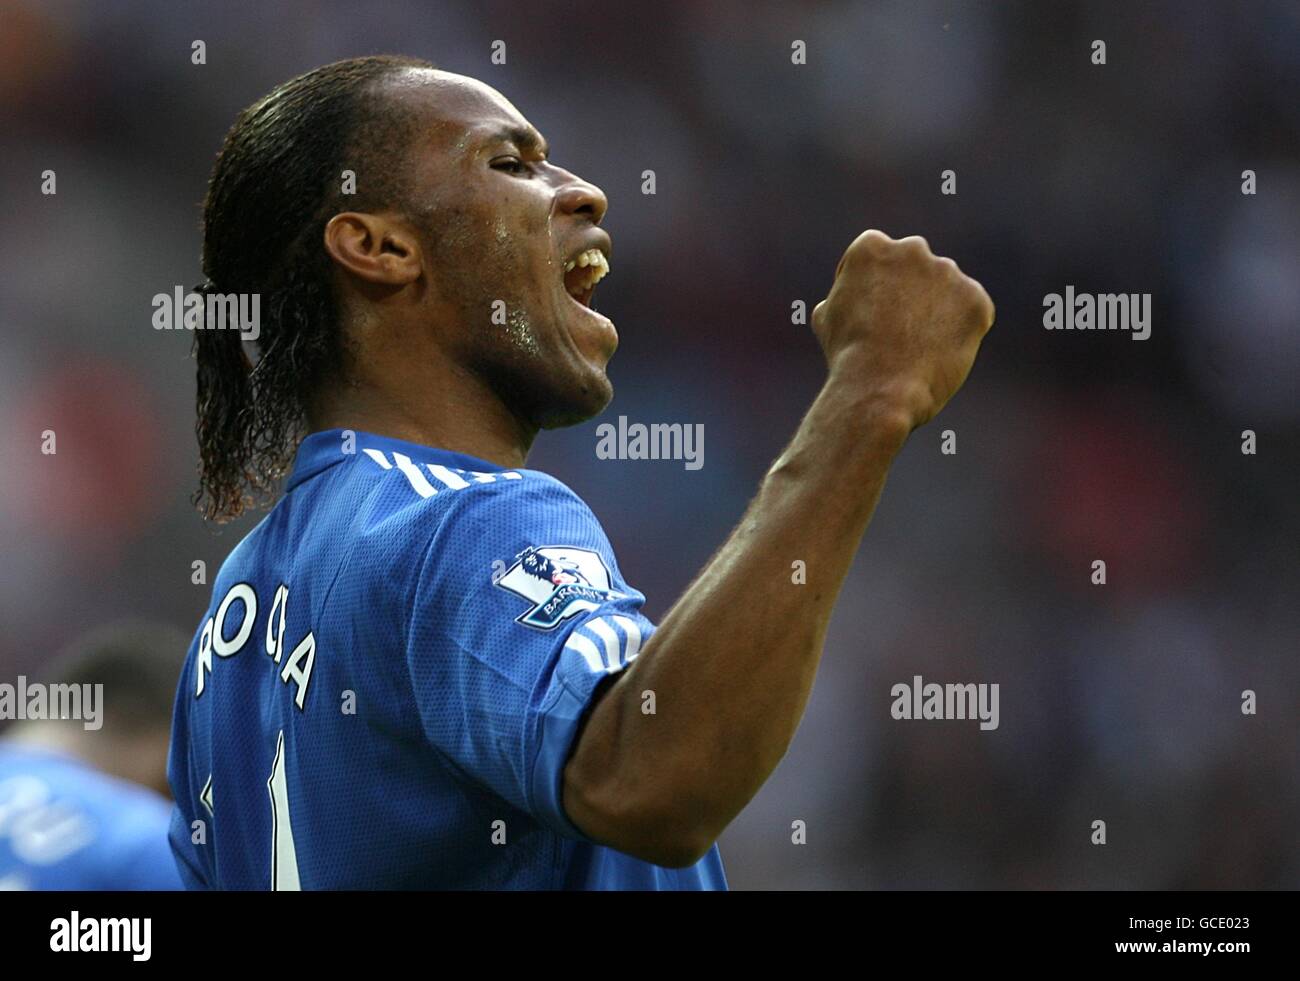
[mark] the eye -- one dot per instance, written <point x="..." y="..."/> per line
<point x="511" y="165"/>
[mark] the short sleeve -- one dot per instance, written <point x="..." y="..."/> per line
<point x="519" y="614"/>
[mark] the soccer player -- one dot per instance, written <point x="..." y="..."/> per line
<point x="83" y="808"/>
<point x="424" y="668"/>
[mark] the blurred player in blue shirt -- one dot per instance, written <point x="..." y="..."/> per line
<point x="81" y="800"/>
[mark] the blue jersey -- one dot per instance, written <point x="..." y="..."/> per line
<point x="66" y="825"/>
<point x="390" y="677"/>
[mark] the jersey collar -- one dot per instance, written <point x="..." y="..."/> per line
<point x="322" y="450"/>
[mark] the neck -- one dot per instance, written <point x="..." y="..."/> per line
<point x="451" y="410"/>
<point x="140" y="757"/>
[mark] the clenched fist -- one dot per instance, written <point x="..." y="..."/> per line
<point x="901" y="325"/>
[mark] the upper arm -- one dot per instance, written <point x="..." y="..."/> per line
<point x="519" y="618"/>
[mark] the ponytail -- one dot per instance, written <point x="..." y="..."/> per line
<point x="274" y="186"/>
<point x="224" y="398"/>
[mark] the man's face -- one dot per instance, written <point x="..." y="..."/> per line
<point x="500" y="225"/>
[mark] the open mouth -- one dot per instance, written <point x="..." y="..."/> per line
<point x="583" y="272"/>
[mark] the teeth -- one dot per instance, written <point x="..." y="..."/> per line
<point x="596" y="266"/>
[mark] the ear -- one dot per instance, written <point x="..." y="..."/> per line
<point x="377" y="248"/>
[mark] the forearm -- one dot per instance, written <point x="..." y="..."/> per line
<point x="732" y="664"/>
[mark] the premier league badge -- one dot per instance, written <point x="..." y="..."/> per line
<point x="560" y="581"/>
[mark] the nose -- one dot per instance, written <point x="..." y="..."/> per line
<point x="578" y="197"/>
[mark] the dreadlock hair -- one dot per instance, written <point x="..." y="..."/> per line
<point x="275" y="184"/>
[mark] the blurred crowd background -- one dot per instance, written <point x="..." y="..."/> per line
<point x="1119" y="702"/>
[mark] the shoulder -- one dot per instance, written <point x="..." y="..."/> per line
<point x="417" y="499"/>
<point x="425" y="521"/>
<point x="118" y="808"/>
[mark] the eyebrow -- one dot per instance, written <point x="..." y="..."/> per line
<point x="525" y="139"/>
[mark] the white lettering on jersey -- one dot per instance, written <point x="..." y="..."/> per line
<point x="42" y="829"/>
<point x="212" y="640"/>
